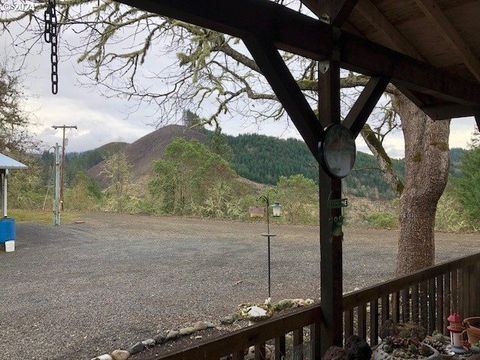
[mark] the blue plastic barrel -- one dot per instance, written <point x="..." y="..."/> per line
<point x="7" y="229"/>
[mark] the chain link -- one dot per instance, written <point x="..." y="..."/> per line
<point x="51" y="37"/>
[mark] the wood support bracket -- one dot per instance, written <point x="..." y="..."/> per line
<point x="287" y="90"/>
<point x="366" y="102"/>
<point x="337" y="11"/>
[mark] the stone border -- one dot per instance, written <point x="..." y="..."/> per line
<point x="244" y="313"/>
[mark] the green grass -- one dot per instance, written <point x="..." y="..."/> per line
<point x="38" y="216"/>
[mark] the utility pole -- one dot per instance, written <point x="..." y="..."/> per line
<point x="62" y="169"/>
<point x="56" y="192"/>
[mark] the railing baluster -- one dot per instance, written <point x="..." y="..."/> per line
<point x="298" y="343"/>
<point x="385" y="308"/>
<point x="431" y="305"/>
<point x="374" y="322"/>
<point x="475" y="289"/>
<point x="415" y="304"/>
<point x="396" y="306"/>
<point x="439" y="304"/>
<point x="315" y="349"/>
<point x="446" y="302"/>
<point x="362" y="321"/>
<point x="462" y="297"/>
<point x="280" y="347"/>
<point x="405" y="300"/>
<point x="423" y="304"/>
<point x="260" y="351"/>
<point x="348" y="323"/>
<point x="455" y="294"/>
<point x="471" y="309"/>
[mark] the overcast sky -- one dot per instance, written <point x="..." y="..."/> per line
<point x="101" y="120"/>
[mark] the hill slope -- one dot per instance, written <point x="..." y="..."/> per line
<point x="151" y="147"/>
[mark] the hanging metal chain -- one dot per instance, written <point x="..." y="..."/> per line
<point x="51" y="37"/>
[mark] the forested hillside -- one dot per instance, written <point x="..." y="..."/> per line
<point x="265" y="159"/>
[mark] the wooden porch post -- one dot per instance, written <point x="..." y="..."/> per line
<point x="331" y="235"/>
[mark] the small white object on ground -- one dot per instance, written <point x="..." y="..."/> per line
<point x="103" y="357"/>
<point x="10" y="246"/>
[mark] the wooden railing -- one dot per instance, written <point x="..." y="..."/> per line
<point x="299" y="322"/>
<point x="425" y="297"/>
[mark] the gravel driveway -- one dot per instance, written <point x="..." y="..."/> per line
<point x="79" y="290"/>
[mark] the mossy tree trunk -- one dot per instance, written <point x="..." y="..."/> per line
<point x="426" y="175"/>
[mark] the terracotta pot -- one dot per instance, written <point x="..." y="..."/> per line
<point x="473" y="329"/>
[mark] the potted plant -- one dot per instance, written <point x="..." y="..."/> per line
<point x="403" y="341"/>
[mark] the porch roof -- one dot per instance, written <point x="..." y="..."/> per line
<point x="428" y="49"/>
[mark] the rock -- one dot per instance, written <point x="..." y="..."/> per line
<point x="256" y="313"/>
<point x="172" y="335"/>
<point x="120" y="355"/>
<point x="200" y="325"/>
<point x="284" y="304"/>
<point x="227" y="320"/>
<point x="148" y="343"/>
<point x="136" y="348"/>
<point x="209" y="324"/>
<point x="269" y="352"/>
<point x="103" y="357"/>
<point x="187" y="331"/>
<point x="250" y="354"/>
<point x="160" y="339"/>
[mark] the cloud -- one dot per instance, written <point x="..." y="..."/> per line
<point x="95" y="126"/>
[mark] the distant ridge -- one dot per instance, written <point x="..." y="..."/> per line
<point x="256" y="158"/>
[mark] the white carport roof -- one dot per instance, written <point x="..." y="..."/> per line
<point x="9" y="163"/>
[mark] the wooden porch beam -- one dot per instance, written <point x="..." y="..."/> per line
<point x="287" y="90"/>
<point x="300" y="34"/>
<point x="336" y="12"/>
<point x="443" y="111"/>
<point x="375" y="17"/>
<point x="331" y="235"/>
<point x="366" y="102"/>
<point x="431" y="9"/>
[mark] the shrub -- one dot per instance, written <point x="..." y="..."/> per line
<point x="384" y="220"/>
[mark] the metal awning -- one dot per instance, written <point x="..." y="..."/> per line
<point x="7" y="163"/>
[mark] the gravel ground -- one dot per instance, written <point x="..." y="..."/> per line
<point x="80" y="290"/>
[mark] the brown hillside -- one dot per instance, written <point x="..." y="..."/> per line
<point x="151" y="147"/>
